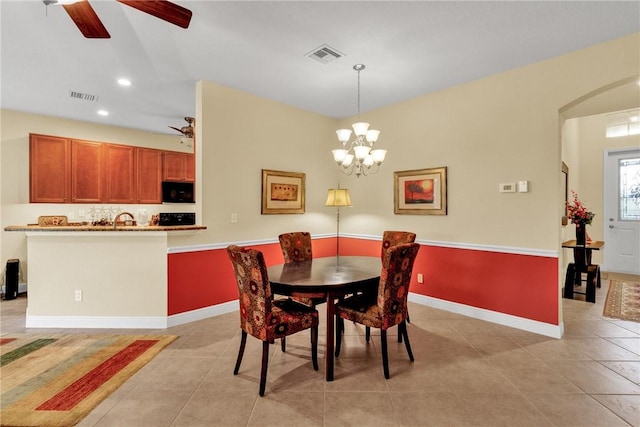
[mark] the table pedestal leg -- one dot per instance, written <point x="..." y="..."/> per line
<point x="592" y="280"/>
<point x="328" y="356"/>
<point x="569" y="281"/>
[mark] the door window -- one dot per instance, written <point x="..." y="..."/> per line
<point x="629" y="185"/>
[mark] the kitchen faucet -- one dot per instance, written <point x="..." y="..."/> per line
<point x="115" y="220"/>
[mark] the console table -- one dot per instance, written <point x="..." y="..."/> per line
<point x="582" y="264"/>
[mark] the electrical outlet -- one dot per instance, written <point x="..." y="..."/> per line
<point x="78" y="295"/>
<point x="234" y="218"/>
<point x="420" y="278"/>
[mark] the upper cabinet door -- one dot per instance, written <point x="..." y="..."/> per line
<point x="149" y="169"/>
<point x="48" y="169"/>
<point x="191" y="168"/>
<point x="119" y="164"/>
<point x="178" y="166"/>
<point x="86" y="172"/>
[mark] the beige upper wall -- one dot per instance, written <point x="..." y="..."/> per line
<point x="243" y="134"/>
<point x="500" y="129"/>
<point x="503" y="128"/>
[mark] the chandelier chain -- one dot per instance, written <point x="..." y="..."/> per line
<point x="358" y="94"/>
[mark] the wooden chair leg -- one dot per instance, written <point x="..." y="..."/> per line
<point x="385" y="355"/>
<point x="283" y="344"/>
<point x="399" y="333"/>
<point x="243" y="342"/>
<point x="367" y="333"/>
<point x="263" y="370"/>
<point x="405" y="334"/>
<point x="314" y="347"/>
<point x="339" y="327"/>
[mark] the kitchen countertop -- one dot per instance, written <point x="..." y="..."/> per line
<point x="97" y="228"/>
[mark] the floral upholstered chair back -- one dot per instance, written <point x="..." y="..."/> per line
<point x="395" y="238"/>
<point x="397" y="266"/>
<point x="296" y="246"/>
<point x="254" y="290"/>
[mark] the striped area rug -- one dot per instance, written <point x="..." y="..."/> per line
<point x="56" y="380"/>
<point x="623" y="300"/>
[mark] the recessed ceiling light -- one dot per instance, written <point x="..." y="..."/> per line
<point x="124" y="82"/>
<point x="103" y="112"/>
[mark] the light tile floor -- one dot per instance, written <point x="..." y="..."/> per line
<point x="466" y="372"/>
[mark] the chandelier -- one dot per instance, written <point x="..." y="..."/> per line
<point x="358" y="156"/>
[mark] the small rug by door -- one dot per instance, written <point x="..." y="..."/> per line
<point x="623" y="300"/>
<point x="56" y="380"/>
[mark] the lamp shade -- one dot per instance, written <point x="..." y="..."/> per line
<point x="338" y="197"/>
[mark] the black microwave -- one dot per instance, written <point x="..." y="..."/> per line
<point x="177" y="192"/>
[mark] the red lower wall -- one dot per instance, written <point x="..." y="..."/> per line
<point x="520" y="285"/>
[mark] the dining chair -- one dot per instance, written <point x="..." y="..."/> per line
<point x="262" y="316"/>
<point x="391" y="239"/>
<point x="394" y="238"/>
<point x="296" y="247"/>
<point x="389" y="307"/>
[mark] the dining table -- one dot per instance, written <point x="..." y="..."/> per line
<point x="329" y="277"/>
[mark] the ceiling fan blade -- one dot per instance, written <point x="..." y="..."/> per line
<point x="162" y="9"/>
<point x="87" y="20"/>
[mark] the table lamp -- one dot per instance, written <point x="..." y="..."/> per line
<point x="338" y="197"/>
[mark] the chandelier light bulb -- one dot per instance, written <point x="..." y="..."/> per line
<point x="361" y="151"/>
<point x="344" y="135"/>
<point x="378" y="155"/>
<point x="372" y="135"/>
<point x="360" y="128"/>
<point x="339" y="156"/>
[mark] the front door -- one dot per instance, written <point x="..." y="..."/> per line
<point x="621" y="187"/>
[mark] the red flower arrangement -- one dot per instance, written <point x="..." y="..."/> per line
<point x="577" y="212"/>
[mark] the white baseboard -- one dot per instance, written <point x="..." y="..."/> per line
<point x="203" y="313"/>
<point x="541" y="328"/>
<point x="96" y="322"/>
<point x="159" y="322"/>
<point x="129" y="322"/>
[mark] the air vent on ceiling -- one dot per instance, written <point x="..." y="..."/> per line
<point x="325" y="54"/>
<point x="83" y="96"/>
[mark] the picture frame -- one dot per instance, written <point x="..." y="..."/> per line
<point x="420" y="191"/>
<point x="283" y="192"/>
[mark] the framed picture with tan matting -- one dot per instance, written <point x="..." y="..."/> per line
<point x="282" y="192"/>
<point x="420" y="192"/>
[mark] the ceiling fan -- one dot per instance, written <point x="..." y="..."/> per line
<point x="187" y="131"/>
<point x="91" y="27"/>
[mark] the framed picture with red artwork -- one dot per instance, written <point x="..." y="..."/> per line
<point x="420" y="192"/>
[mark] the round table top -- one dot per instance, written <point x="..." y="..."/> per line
<point x="325" y="274"/>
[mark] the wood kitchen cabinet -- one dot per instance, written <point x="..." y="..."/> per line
<point x="178" y="166"/>
<point x="64" y="170"/>
<point x="120" y="171"/>
<point x="49" y="169"/>
<point x="86" y="172"/>
<point x="149" y="175"/>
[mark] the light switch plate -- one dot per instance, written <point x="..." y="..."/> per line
<point x="509" y="187"/>
<point x="523" y="186"/>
